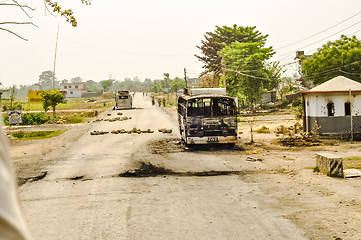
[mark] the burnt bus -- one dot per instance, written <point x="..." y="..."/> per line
<point x="123" y="100"/>
<point x="207" y="115"/>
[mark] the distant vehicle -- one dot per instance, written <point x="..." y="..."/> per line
<point x="207" y="115"/>
<point x="123" y="100"/>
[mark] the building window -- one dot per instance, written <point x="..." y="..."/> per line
<point x="69" y="86"/>
<point x="71" y="93"/>
<point x="65" y="87"/>
<point x="347" y="109"/>
<point x="330" y="109"/>
<point x="76" y="86"/>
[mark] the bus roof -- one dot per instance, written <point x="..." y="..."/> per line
<point x="187" y="97"/>
<point x="205" y="91"/>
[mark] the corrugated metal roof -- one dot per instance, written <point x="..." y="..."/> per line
<point x="336" y="84"/>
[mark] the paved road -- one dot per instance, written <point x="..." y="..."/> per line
<point x="86" y="194"/>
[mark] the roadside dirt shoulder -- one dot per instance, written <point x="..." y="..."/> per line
<point x="30" y="157"/>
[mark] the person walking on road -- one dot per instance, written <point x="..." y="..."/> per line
<point x="163" y="102"/>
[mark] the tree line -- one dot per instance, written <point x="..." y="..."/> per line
<point x="166" y="84"/>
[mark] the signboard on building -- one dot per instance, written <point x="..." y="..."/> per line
<point x="14" y="117"/>
<point x="34" y="96"/>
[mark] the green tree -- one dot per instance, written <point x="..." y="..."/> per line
<point x="217" y="40"/>
<point x="166" y="82"/>
<point x="157" y="86"/>
<point x="52" y="98"/>
<point x="341" y="57"/>
<point x="274" y="72"/>
<point x="209" y="80"/>
<point x="107" y="84"/>
<point x="46" y="80"/>
<point x="177" y="84"/>
<point x="76" y="80"/>
<point x="93" y="86"/>
<point x="147" y="85"/>
<point x="246" y="69"/>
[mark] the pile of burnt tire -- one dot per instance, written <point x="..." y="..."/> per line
<point x="122" y="131"/>
<point x="113" y="119"/>
<point x="164" y="130"/>
<point x="98" y="132"/>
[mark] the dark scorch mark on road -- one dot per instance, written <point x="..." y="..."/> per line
<point x="22" y="181"/>
<point x="150" y="170"/>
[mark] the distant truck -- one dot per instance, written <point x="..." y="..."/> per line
<point x="123" y="100"/>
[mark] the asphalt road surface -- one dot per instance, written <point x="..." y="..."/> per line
<point x="146" y="186"/>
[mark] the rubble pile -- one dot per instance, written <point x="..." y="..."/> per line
<point x="164" y="130"/>
<point x="294" y="136"/>
<point x="113" y="119"/>
<point x="122" y="131"/>
<point x="98" y="132"/>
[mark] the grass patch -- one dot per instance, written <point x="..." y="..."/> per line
<point x="37" y="134"/>
<point x="76" y="118"/>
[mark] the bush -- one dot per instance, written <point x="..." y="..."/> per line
<point x="34" y="118"/>
<point x="30" y="119"/>
<point x="263" y="129"/>
<point x="19" y="134"/>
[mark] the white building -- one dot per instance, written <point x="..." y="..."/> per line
<point x="73" y="90"/>
<point x="332" y="105"/>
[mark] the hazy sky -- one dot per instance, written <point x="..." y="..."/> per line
<point x="148" y="38"/>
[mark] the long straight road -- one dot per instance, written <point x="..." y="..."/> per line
<point x="92" y="191"/>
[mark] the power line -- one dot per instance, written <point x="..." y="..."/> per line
<point x="332" y="69"/>
<point x="319" y="32"/>
<point x="289" y="53"/>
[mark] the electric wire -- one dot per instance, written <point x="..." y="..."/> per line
<point x="319" y="32"/>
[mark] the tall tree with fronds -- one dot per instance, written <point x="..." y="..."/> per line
<point x="217" y="40"/>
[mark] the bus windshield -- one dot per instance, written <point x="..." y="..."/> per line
<point x="211" y="107"/>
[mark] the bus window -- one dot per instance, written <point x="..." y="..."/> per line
<point x="207" y="107"/>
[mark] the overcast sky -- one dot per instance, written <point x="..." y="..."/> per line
<point x="143" y="38"/>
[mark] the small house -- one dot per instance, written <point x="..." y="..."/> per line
<point x="73" y="90"/>
<point x="333" y="105"/>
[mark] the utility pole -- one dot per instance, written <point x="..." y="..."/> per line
<point x="185" y="77"/>
<point x="56" y="48"/>
<point x="224" y="72"/>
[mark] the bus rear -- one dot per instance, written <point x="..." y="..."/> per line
<point x="123" y="100"/>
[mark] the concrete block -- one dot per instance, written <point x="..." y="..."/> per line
<point x="329" y="164"/>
